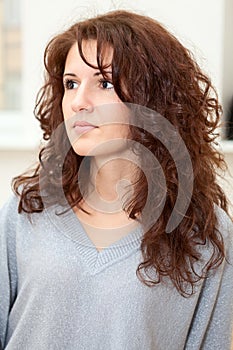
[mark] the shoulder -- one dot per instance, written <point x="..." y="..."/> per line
<point x="225" y="229"/>
<point x="224" y="224"/>
<point x="8" y="224"/>
<point x="10" y="218"/>
<point x="9" y="210"/>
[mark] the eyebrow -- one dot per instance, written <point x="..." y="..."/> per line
<point x="95" y="74"/>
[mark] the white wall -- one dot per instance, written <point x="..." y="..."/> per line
<point x="227" y="79"/>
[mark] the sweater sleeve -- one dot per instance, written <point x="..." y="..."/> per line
<point x="212" y="326"/>
<point x="8" y="269"/>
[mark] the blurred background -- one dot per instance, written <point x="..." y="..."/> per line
<point x="26" y="26"/>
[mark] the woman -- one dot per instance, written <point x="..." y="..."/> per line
<point x="119" y="239"/>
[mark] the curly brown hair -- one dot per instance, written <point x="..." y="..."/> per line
<point x="150" y="68"/>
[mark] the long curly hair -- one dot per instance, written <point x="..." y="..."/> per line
<point x="150" y="68"/>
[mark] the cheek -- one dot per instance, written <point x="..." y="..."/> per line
<point x="65" y="109"/>
<point x="63" y="104"/>
<point x="116" y="131"/>
<point x="124" y="131"/>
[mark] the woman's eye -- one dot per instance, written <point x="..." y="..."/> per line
<point x="105" y="84"/>
<point x="70" y="84"/>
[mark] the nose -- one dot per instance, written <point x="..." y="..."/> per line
<point x="82" y="100"/>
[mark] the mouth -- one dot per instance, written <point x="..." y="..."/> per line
<point x="81" y="126"/>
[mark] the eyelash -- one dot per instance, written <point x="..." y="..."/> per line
<point x="68" y="82"/>
<point x="101" y="81"/>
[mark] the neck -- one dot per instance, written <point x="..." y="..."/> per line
<point x="111" y="183"/>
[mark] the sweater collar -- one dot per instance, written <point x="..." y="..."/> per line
<point x="68" y="224"/>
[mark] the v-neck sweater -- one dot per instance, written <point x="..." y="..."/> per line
<point x="58" y="292"/>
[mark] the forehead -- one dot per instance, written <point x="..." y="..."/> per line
<point x="89" y="51"/>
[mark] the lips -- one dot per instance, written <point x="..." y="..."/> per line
<point x="81" y="126"/>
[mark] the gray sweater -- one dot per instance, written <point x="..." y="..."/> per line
<point x="58" y="292"/>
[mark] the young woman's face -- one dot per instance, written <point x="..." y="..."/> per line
<point x="96" y="120"/>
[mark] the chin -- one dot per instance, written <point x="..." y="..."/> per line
<point x="106" y="148"/>
<point x="86" y="148"/>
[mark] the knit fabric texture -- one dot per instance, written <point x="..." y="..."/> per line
<point x="58" y="292"/>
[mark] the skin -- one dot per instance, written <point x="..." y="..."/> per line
<point x="93" y="98"/>
<point x="90" y="97"/>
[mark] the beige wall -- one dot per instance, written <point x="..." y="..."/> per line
<point x="13" y="163"/>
